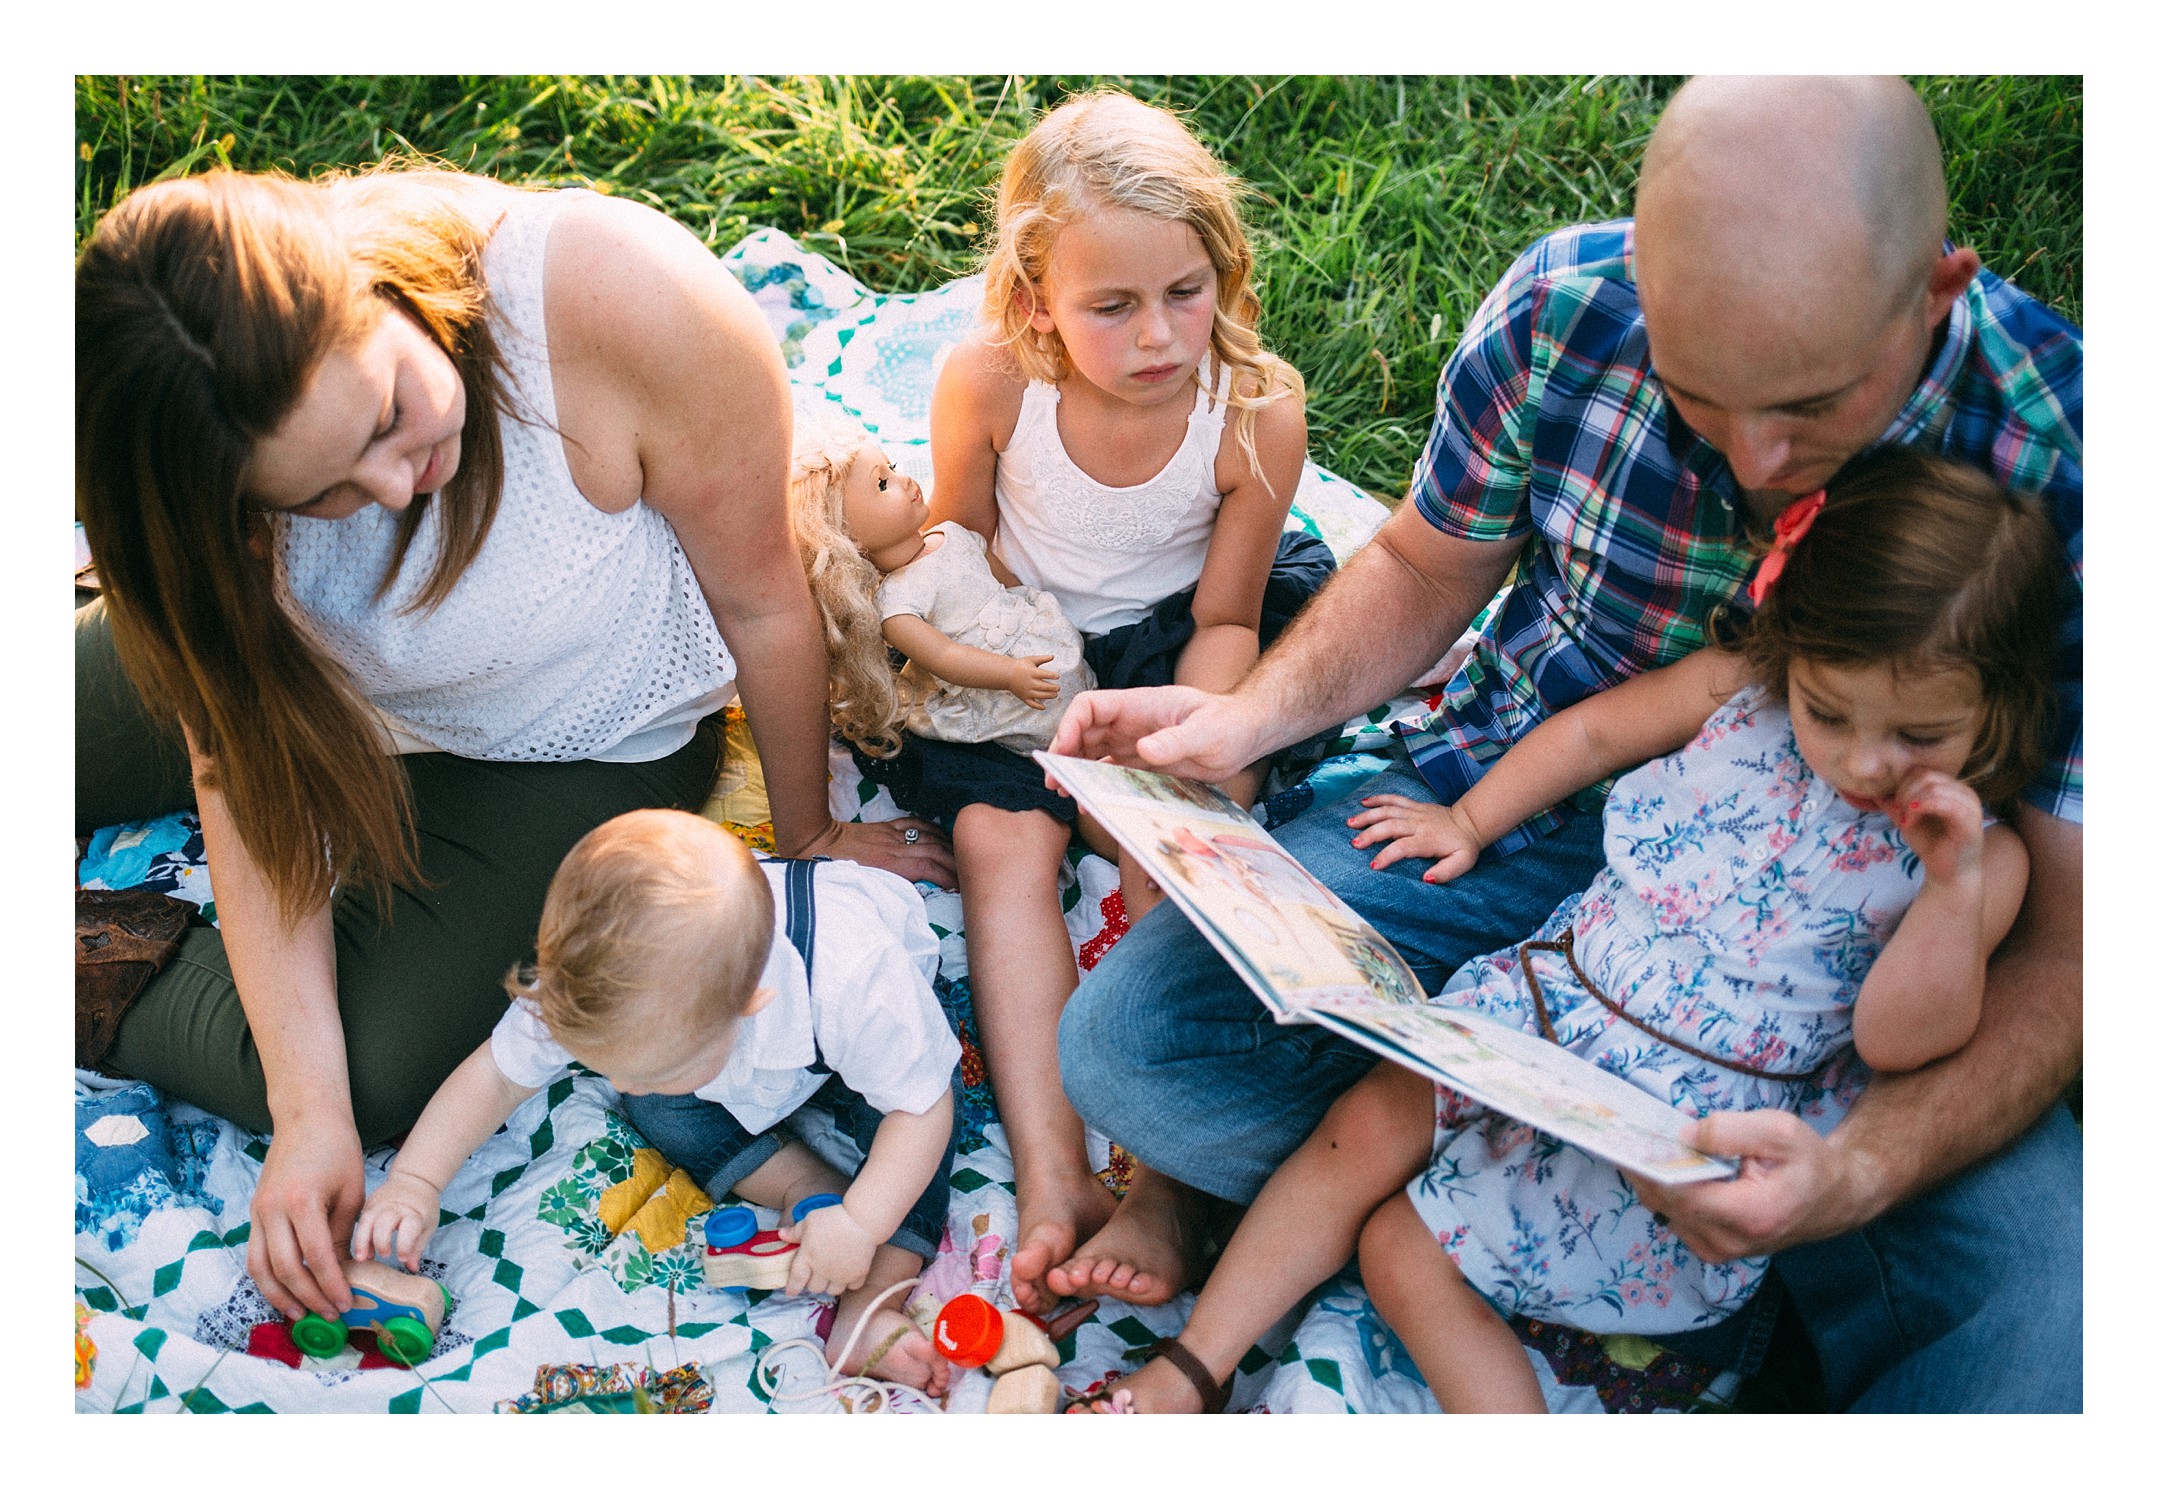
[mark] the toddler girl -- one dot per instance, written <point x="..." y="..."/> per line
<point x="1081" y="432"/>
<point x="658" y="968"/>
<point x="989" y="660"/>
<point x="1814" y="870"/>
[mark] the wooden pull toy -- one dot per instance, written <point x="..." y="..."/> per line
<point x="739" y="1255"/>
<point x="1031" y="1390"/>
<point x="405" y="1311"/>
<point x="1015" y="1347"/>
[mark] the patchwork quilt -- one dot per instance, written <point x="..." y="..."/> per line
<point x="574" y="1269"/>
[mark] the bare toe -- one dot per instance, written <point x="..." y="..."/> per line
<point x="1053" y="1218"/>
<point x="1141" y="1256"/>
<point x="1072" y="1275"/>
<point x="1031" y="1264"/>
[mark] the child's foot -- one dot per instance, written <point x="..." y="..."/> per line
<point x="1147" y="1253"/>
<point x="1174" y="1382"/>
<point x="892" y="1348"/>
<point x="1053" y="1217"/>
<point x="1154" y="1389"/>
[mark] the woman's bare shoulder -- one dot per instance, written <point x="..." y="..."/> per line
<point x="660" y="356"/>
<point x="626" y="279"/>
<point x="594" y="223"/>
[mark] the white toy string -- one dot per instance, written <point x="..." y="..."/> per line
<point x="852" y="1393"/>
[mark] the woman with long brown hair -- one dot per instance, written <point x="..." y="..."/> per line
<point x="441" y="518"/>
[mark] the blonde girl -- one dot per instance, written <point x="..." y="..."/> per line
<point x="1122" y="438"/>
<point x="989" y="660"/>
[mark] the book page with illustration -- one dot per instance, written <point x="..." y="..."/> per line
<point x="1310" y="958"/>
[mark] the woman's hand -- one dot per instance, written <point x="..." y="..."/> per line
<point x="398" y="1219"/>
<point x="1033" y="682"/>
<point x="835" y="1252"/>
<point x="1417" y="829"/>
<point x="305" y="1202"/>
<point x="906" y="846"/>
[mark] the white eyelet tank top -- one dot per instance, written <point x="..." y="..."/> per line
<point x="1109" y="554"/>
<point x="576" y="634"/>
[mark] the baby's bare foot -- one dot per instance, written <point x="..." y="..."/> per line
<point x="909" y="1359"/>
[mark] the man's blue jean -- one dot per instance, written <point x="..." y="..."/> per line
<point x="1967" y="1298"/>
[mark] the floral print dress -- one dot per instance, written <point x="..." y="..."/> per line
<point x="1741" y="905"/>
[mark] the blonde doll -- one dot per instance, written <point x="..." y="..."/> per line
<point x="989" y="660"/>
<point x="1122" y="440"/>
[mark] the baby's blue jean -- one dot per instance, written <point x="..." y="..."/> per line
<point x="1967" y="1298"/>
<point x="704" y="1138"/>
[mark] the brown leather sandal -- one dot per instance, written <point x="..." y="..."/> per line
<point x="1213" y="1394"/>
<point x="123" y="938"/>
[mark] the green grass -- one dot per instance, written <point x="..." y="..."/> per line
<point x="1382" y="208"/>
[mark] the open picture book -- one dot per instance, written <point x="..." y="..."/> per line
<point x="1310" y="958"/>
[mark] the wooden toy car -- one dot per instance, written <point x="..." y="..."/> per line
<point x="739" y="1255"/>
<point x="405" y="1312"/>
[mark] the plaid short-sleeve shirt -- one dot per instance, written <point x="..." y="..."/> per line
<point x="1551" y="424"/>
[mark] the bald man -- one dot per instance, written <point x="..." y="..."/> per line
<point x="1625" y="415"/>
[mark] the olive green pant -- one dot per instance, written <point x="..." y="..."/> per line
<point x="417" y="991"/>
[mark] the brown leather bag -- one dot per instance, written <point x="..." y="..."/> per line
<point x="123" y="937"/>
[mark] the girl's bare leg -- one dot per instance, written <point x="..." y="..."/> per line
<point x="1302" y="1228"/>
<point x="1020" y="959"/>
<point x="1140" y="892"/>
<point x="1468" y="1356"/>
<point x="1149" y="1250"/>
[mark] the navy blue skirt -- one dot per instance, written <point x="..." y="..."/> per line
<point x="933" y="779"/>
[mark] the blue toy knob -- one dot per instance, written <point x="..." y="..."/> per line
<point x="814" y="1202"/>
<point x="730" y="1227"/>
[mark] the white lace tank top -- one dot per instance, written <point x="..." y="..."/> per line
<point x="1109" y="554"/>
<point x="576" y="634"/>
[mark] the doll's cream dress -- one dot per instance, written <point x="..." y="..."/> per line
<point x="950" y="586"/>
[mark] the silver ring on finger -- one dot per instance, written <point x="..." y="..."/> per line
<point x="911" y="836"/>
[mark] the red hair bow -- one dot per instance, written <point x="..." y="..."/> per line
<point x="1791" y="525"/>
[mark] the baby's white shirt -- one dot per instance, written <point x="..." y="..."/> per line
<point x="875" y="1016"/>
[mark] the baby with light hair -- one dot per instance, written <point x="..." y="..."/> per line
<point x="659" y="968"/>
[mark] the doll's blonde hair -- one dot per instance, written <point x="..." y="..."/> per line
<point x="1107" y="149"/>
<point x="868" y="698"/>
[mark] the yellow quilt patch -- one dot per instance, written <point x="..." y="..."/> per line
<point x="655" y="1203"/>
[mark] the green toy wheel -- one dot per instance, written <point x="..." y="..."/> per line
<point x="319" y="1337"/>
<point x="405" y="1340"/>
